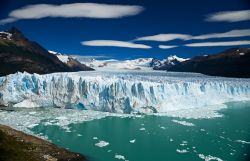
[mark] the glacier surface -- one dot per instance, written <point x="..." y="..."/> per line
<point x="121" y="92"/>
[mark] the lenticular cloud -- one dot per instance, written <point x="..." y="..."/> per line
<point x="74" y="10"/>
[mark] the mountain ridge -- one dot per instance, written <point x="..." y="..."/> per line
<point x="17" y="53"/>
<point x="234" y="62"/>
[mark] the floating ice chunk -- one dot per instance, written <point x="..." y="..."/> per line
<point x="120" y="157"/>
<point x="132" y="141"/>
<point x="171" y="140"/>
<point x="182" y="151"/>
<point x="32" y="125"/>
<point x="209" y="157"/>
<point x="32" y="113"/>
<point x="95" y="138"/>
<point x="68" y="130"/>
<point x="162" y="127"/>
<point x="222" y="137"/>
<point x="241" y="54"/>
<point x="79" y="135"/>
<point x="142" y="129"/>
<point x="61" y="118"/>
<point x="109" y="151"/>
<point x="185" y="123"/>
<point x="207" y="112"/>
<point x="184" y="143"/>
<point x="102" y="144"/>
<point x="202" y="129"/>
<point x="47" y="123"/>
<point x="242" y="141"/>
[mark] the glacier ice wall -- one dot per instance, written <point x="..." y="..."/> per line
<point x="120" y="92"/>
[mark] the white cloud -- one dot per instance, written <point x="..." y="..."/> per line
<point x="226" y="43"/>
<point x="164" y="37"/>
<point x="166" y="46"/>
<point x="114" y="43"/>
<point x="232" y="33"/>
<point x="169" y="37"/>
<point x="229" y="16"/>
<point x="87" y="10"/>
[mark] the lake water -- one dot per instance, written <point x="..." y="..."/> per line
<point x="158" y="138"/>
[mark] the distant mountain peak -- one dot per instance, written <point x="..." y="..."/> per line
<point x="174" y="57"/>
<point x="15" y="33"/>
<point x="14" y="30"/>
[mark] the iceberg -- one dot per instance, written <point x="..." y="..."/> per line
<point x="121" y="92"/>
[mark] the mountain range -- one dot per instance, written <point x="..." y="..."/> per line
<point x="134" y="64"/>
<point x="17" y="53"/>
<point x="233" y="62"/>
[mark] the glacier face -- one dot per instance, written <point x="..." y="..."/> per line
<point x="121" y="92"/>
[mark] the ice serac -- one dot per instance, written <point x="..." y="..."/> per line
<point x="144" y="92"/>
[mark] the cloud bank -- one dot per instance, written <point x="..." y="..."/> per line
<point x="74" y="10"/>
<point x="115" y="43"/>
<point x="229" y="16"/>
<point x="164" y="37"/>
<point x="232" y="33"/>
<point x="226" y="43"/>
<point x="169" y="37"/>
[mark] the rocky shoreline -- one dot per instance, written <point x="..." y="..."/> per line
<point x="18" y="146"/>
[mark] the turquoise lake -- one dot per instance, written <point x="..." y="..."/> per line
<point x="158" y="138"/>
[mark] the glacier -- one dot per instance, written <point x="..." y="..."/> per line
<point x="121" y="92"/>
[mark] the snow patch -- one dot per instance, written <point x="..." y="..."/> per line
<point x="174" y="57"/>
<point x="62" y="57"/>
<point x="5" y="35"/>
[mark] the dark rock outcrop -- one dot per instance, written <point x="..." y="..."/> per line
<point x="18" y="146"/>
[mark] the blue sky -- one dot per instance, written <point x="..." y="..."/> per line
<point x="125" y="29"/>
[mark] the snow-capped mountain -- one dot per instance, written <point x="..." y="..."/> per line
<point x="70" y="61"/>
<point x="134" y="64"/>
<point x="113" y="64"/>
<point x="165" y="64"/>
